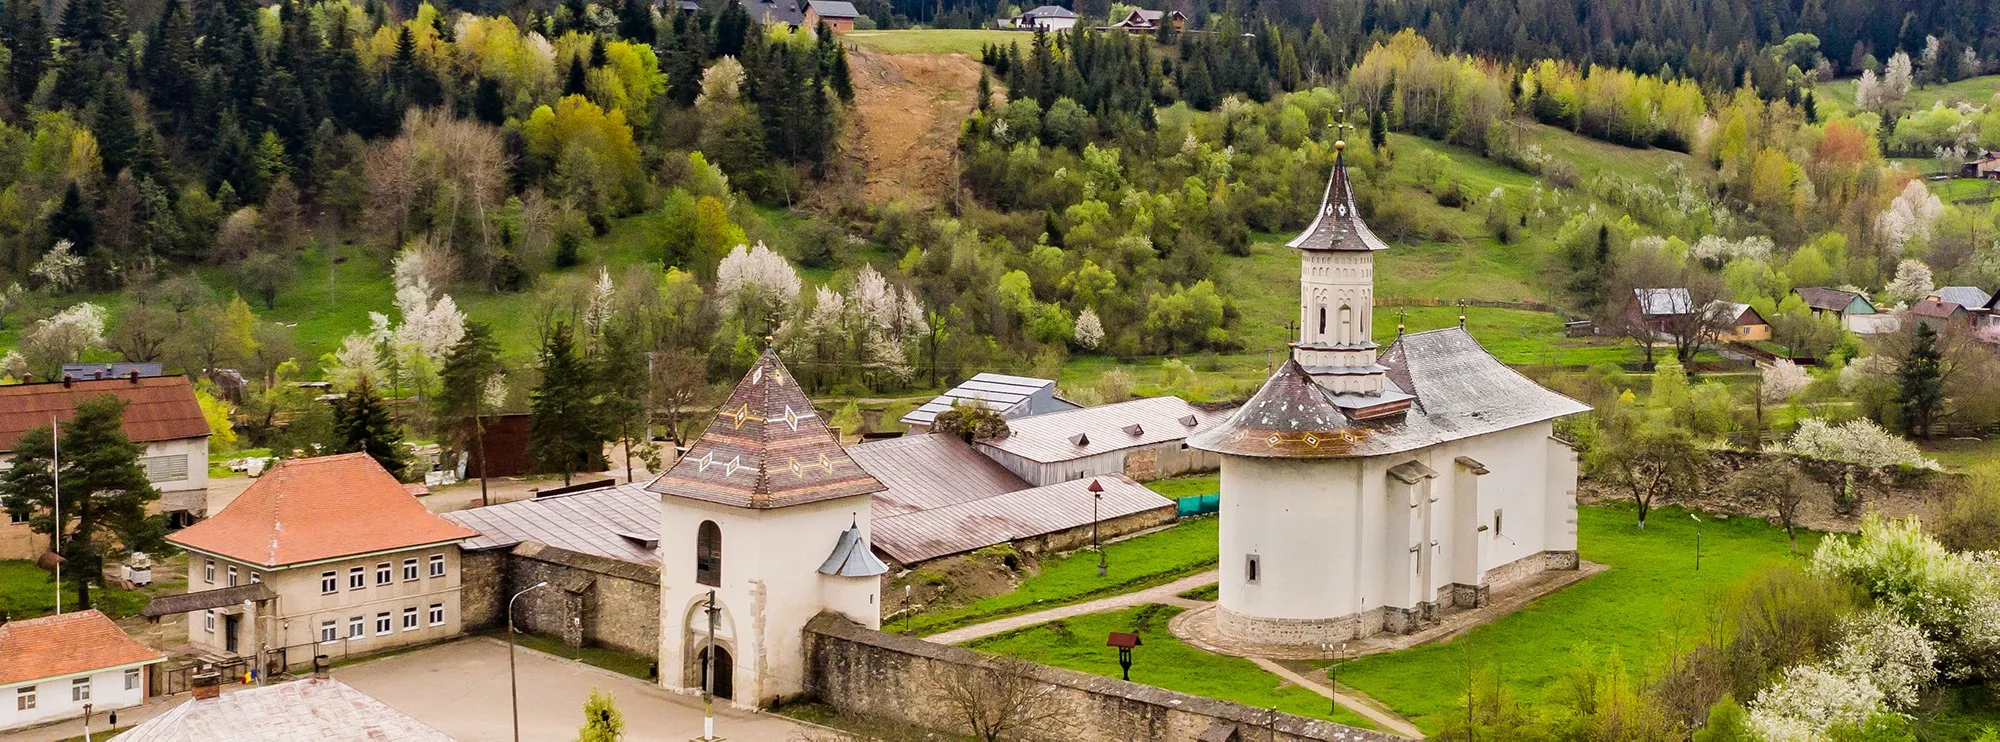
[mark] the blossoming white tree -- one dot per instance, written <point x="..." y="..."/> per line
<point x="755" y="283"/>
<point x="1913" y="281"/>
<point x="1807" y="700"/>
<point x="1089" y="329"/>
<point x="1910" y="216"/>
<point x="59" y="268"/>
<point x="1857" y="441"/>
<point x="1782" y="379"/>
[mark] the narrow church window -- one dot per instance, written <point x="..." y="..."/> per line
<point x="1322" y="319"/>
<point x="1496" y="521"/>
<point x="1250" y="568"/>
<point x="708" y="554"/>
<point x="1346" y="324"/>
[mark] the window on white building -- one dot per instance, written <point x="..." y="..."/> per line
<point x="232" y="576"/>
<point x="328" y="631"/>
<point x="437" y="614"/>
<point x="208" y="620"/>
<point x="410" y="618"/>
<point x="1496" y="521"/>
<point x="383" y="624"/>
<point x="1251" y="568"/>
<point x="409" y="569"/>
<point x="357" y="578"/>
<point x="79" y="690"/>
<point x="24" y="699"/>
<point x="132" y="679"/>
<point x="437" y="565"/>
<point x="384" y="574"/>
<point x="357" y="627"/>
<point x="329" y="583"/>
<point x="208" y="571"/>
<point x="708" y="554"/>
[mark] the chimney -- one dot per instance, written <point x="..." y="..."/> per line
<point x="207" y="685"/>
<point x="133" y="375"/>
<point x="321" y="667"/>
<point x="97" y="375"/>
<point x="27" y="377"/>
<point x="67" y="380"/>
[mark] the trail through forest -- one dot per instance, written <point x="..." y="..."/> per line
<point x="910" y="107"/>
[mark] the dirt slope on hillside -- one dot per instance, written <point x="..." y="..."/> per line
<point x="910" y="107"/>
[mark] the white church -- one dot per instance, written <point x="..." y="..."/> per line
<point x="1365" y="489"/>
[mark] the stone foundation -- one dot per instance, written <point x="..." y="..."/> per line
<point x="1313" y="632"/>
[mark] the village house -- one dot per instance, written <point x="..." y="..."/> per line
<point x="1145" y="439"/>
<point x="1973" y="299"/>
<point x="1014" y="397"/>
<point x="1740" y="323"/>
<point x="1987" y="167"/>
<point x="1856" y="313"/>
<point x="1365" y="489"/>
<point x="1148" y="21"/>
<point x="327" y="555"/>
<point x="318" y="708"/>
<point x="1940" y="315"/>
<point x="1044" y="18"/>
<point x="161" y="415"/>
<point x="51" y="667"/>
<point x="838" y="15"/>
<point x="1663" y="310"/>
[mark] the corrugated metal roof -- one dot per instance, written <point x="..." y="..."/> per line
<point x="595" y="522"/>
<point x="833" y="9"/>
<point x="923" y="472"/>
<point x="955" y="529"/>
<point x="320" y="709"/>
<point x="1049" y="438"/>
<point x="993" y="391"/>
<point x="157" y="408"/>
<point x="1667" y="302"/>
<point x="1461" y="390"/>
<point x="1970" y="297"/>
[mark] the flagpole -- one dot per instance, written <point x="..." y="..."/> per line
<point x="55" y="471"/>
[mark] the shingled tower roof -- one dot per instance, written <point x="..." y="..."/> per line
<point x="766" y="448"/>
<point x="1338" y="226"/>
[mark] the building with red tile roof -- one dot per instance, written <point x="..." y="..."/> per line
<point x="161" y="415"/>
<point x="351" y="555"/>
<point x="51" y="666"/>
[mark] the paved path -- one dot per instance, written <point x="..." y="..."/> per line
<point x="461" y="689"/>
<point x="1395" y="724"/>
<point x="1168" y="594"/>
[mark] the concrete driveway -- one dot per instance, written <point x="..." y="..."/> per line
<point x="461" y="689"/>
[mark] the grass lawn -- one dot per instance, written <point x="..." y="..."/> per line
<point x="1974" y="90"/>
<point x="1651" y="600"/>
<point x="1136" y="564"/>
<point x="938" y="41"/>
<point x="1161" y="660"/>
<point x="1205" y="484"/>
<point x="1960" y="455"/>
<point x="28" y="592"/>
<point x="1205" y="592"/>
<point x="623" y="663"/>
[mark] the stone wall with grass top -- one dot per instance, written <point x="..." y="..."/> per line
<point x="897" y="678"/>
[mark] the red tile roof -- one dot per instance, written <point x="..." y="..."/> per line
<point x="767" y="448"/>
<point x="157" y="408"/>
<point x="309" y="510"/>
<point x="54" y="646"/>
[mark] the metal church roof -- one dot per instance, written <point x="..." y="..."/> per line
<point x="614" y="522"/>
<point x="999" y="392"/>
<point x="1074" y="434"/>
<point x="851" y="557"/>
<point x="1338" y="225"/>
<point x="928" y="534"/>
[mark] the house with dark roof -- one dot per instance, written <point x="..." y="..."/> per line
<point x="161" y="415"/>
<point x="50" y="667"/>
<point x="352" y="562"/>
<point x="838" y="15"/>
<point x="1148" y="21"/>
<point x="1014" y="397"/>
<point x="1940" y="315"/>
<point x="1044" y="18"/>
<point x="1144" y="439"/>
<point x="1857" y="314"/>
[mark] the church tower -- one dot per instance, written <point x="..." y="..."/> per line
<point x="764" y="525"/>
<point x="1336" y="343"/>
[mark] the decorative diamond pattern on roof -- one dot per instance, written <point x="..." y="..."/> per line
<point x="759" y="452"/>
<point x="1339" y="225"/>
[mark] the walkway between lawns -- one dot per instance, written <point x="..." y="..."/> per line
<point x="1169" y="594"/>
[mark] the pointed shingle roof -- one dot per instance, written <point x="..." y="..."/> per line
<point x="766" y="448"/>
<point x="1339" y="225"/>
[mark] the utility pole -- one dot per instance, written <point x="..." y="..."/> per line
<point x="55" y="488"/>
<point x="1096" y="498"/>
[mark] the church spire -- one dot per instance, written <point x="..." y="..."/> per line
<point x="1336" y="345"/>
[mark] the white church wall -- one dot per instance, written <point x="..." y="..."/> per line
<point x="770" y="588"/>
<point x="1289" y="515"/>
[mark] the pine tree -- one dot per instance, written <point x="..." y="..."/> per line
<point x="1810" y="106"/>
<point x="622" y="384"/>
<point x="635" y="21"/>
<point x="560" y="434"/>
<point x="170" y="70"/>
<point x="1920" y="391"/>
<point x="75" y="221"/>
<point x="843" y="77"/>
<point x="470" y="365"/>
<point x="104" y="490"/>
<point x="111" y="120"/>
<point x="599" y="56"/>
<point x="26" y="36"/>
<point x="574" y="83"/>
<point x="361" y="423"/>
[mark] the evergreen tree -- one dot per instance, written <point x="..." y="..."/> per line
<point x="622" y="390"/>
<point x="599" y="56"/>
<point x="104" y="490"/>
<point x="74" y="221"/>
<point x="1810" y="107"/>
<point x="1920" y="388"/>
<point x="635" y="21"/>
<point x="26" y="37"/>
<point x="574" y="82"/>
<point x="112" y="122"/>
<point x="487" y="105"/>
<point x="472" y="363"/>
<point x="170" y="70"/>
<point x="361" y="423"/>
<point x="561" y="436"/>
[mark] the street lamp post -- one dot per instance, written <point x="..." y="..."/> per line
<point x="1096" y="498"/>
<point x="513" y="701"/>
<point x="86" y="722"/>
